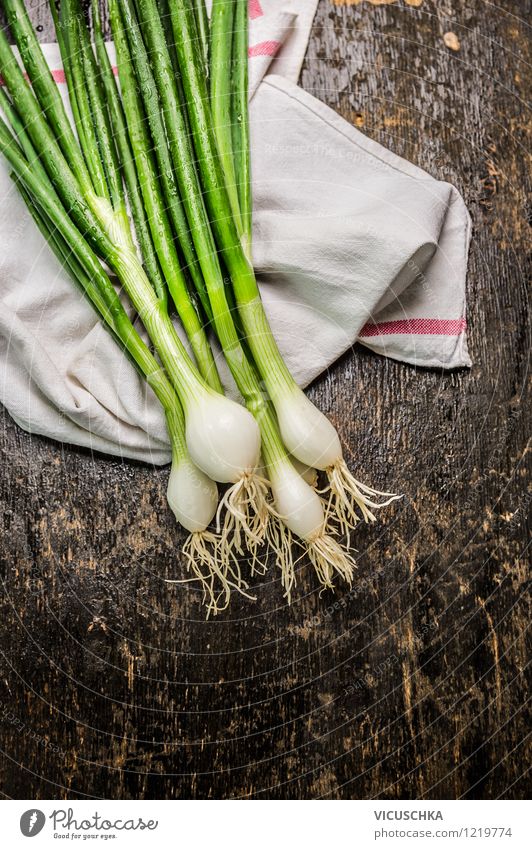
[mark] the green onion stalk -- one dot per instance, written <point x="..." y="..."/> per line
<point x="162" y="211"/>
<point x="202" y="26"/>
<point x="222" y="437"/>
<point x="306" y="432"/>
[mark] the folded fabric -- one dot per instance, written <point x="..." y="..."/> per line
<point x="350" y="241"/>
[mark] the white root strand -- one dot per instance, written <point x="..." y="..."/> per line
<point x="328" y="557"/>
<point x="246" y="509"/>
<point x="242" y="518"/>
<point x="217" y="574"/>
<point x="330" y="560"/>
<point x="347" y="495"/>
<point x="280" y="540"/>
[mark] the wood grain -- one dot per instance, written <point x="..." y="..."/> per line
<point x="413" y="684"/>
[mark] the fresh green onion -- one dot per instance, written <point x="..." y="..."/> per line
<point x="297" y="504"/>
<point x="126" y="159"/>
<point x="221" y="55"/>
<point x="191" y="494"/>
<point x="202" y="29"/>
<point x="240" y="120"/>
<point x="307" y="433"/>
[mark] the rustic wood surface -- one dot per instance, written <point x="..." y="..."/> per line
<point x="412" y="685"/>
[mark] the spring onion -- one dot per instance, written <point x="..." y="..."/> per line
<point x="306" y="431"/>
<point x="192" y="496"/>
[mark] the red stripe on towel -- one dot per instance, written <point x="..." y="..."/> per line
<point x="58" y="76"/>
<point x="264" y="48"/>
<point x="255" y="9"/>
<point x="417" y="326"/>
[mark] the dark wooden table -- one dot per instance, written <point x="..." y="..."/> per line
<point x="413" y="686"/>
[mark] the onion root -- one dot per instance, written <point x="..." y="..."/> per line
<point x="346" y="495"/>
<point x="217" y="576"/>
<point x="242" y="516"/>
<point x="330" y="560"/>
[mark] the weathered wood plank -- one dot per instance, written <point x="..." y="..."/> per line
<point x="410" y="685"/>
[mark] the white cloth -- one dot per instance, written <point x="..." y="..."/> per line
<point x="350" y="242"/>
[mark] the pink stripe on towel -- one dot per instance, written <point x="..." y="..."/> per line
<point x="264" y="48"/>
<point x="417" y="326"/>
<point x="58" y="75"/>
<point x="255" y="9"/>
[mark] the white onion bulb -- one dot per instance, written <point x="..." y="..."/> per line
<point x="192" y="496"/>
<point x="223" y="438"/>
<point x="296" y="502"/>
<point x="306" y="432"/>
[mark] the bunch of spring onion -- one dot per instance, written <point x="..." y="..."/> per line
<point x="152" y="182"/>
